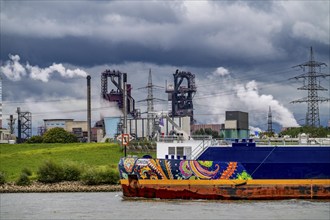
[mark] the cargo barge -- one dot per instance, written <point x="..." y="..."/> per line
<point x="205" y="170"/>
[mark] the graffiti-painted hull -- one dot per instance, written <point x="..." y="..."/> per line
<point x="227" y="189"/>
<point x="192" y="179"/>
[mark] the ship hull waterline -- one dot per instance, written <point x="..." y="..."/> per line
<point x="227" y="189"/>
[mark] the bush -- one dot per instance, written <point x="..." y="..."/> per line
<point x="2" y="178"/>
<point x="23" y="180"/>
<point x="59" y="135"/>
<point x="90" y="177"/>
<point x="97" y="177"/>
<point x="50" y="172"/>
<point x="109" y="176"/>
<point x="27" y="171"/>
<point x="71" y="172"/>
<point x="35" y="139"/>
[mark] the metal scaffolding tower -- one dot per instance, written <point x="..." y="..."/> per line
<point x="181" y="95"/>
<point x="117" y="94"/>
<point x="24" y="125"/>
<point x="312" y="115"/>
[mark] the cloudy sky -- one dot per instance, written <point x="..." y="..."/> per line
<point x="241" y="52"/>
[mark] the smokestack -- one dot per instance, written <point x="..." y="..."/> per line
<point x="11" y="124"/>
<point x="125" y="102"/>
<point x="89" y="134"/>
<point x="125" y="107"/>
<point x="19" y="131"/>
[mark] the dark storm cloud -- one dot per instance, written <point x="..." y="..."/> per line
<point x="182" y="33"/>
<point x="87" y="53"/>
<point x="254" y="40"/>
<point x="17" y="91"/>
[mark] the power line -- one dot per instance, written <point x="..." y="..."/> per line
<point x="41" y="101"/>
<point x="246" y="76"/>
<point x="312" y="115"/>
<point x="71" y="111"/>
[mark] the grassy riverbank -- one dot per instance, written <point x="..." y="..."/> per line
<point x="16" y="157"/>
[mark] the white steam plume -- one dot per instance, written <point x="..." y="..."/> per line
<point x="14" y="70"/>
<point x="249" y="95"/>
<point x="229" y="95"/>
<point x="109" y="109"/>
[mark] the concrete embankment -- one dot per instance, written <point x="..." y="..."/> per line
<point x="57" y="187"/>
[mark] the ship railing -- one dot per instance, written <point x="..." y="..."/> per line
<point x="171" y="138"/>
<point x="293" y="141"/>
<point x="180" y="138"/>
<point x="205" y="142"/>
<point x="321" y="141"/>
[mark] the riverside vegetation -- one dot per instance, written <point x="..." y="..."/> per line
<point x="62" y="164"/>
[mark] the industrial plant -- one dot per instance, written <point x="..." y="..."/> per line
<point x="115" y="88"/>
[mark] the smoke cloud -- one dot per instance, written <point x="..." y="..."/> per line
<point x="109" y="109"/>
<point x="228" y="94"/>
<point x="14" y="70"/>
<point x="249" y="95"/>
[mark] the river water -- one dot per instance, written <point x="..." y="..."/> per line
<point x="112" y="206"/>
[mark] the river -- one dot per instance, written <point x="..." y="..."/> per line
<point x="111" y="205"/>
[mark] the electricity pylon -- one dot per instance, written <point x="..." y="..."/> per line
<point x="312" y="115"/>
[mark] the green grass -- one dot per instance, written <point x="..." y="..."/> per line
<point x="15" y="157"/>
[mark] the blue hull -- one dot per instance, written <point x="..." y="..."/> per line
<point x="276" y="162"/>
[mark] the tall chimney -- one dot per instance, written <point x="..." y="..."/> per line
<point x="125" y="103"/>
<point x="19" y="128"/>
<point x="125" y="109"/>
<point x="89" y="134"/>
